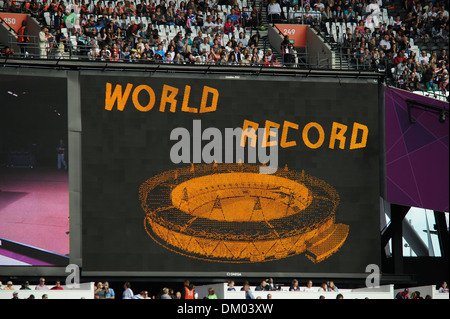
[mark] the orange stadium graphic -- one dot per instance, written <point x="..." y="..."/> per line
<point x="230" y="213"/>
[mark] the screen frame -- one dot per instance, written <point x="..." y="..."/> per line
<point x="75" y="167"/>
<point x="210" y="275"/>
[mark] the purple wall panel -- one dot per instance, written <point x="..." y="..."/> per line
<point x="417" y="155"/>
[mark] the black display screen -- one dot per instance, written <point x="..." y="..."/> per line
<point x="168" y="188"/>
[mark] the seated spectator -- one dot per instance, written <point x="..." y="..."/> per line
<point x="294" y="285"/>
<point x="385" y="44"/>
<point x="160" y="51"/>
<point x="413" y="80"/>
<point x="127" y="293"/>
<point x="158" y="17"/>
<point x="141" y="295"/>
<point x="245" y="19"/>
<point x="237" y="55"/>
<point x="397" y="22"/>
<point x="230" y="286"/>
<point x="265" y="61"/>
<point x="311" y="17"/>
<point x="57" y="286"/>
<point x="332" y="287"/>
<point x="94" y="52"/>
<point x="211" y="294"/>
<point x="233" y="16"/>
<point x="365" y="59"/>
<point x="338" y="15"/>
<point x="416" y="295"/>
<point x="180" y="18"/>
<point x="209" y="27"/>
<point x="6" y="52"/>
<point x="295" y="14"/>
<point x="276" y="63"/>
<point x="263" y="286"/>
<point x="443" y="288"/>
<point x="165" y="294"/>
<point x="423" y="59"/>
<point x="219" y="26"/>
<point x="360" y="29"/>
<point x="270" y="57"/>
<point x="110" y="294"/>
<point x="323" y="287"/>
<point x="242" y="39"/>
<point x="25" y="286"/>
<point x="349" y="15"/>
<point x="41" y="285"/>
<point x="309" y="287"/>
<point x="400" y="57"/>
<point x="229" y="26"/>
<point x="248" y="292"/>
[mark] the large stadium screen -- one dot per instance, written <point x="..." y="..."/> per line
<point x="34" y="183"/>
<point x="215" y="175"/>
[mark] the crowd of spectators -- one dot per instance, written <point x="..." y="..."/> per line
<point x="103" y="290"/>
<point x="398" y="45"/>
<point x="26" y="286"/>
<point x="408" y="43"/>
<point x="191" y="32"/>
<point x="226" y="32"/>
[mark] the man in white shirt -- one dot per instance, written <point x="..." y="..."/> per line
<point x="209" y="26"/>
<point x="74" y="6"/>
<point x="43" y="42"/>
<point x="204" y="47"/>
<point x="385" y="44"/>
<point x="423" y="58"/>
<point x="128" y="293"/>
<point x="444" y="12"/>
<point x="319" y="5"/>
<point x="41" y="285"/>
<point x="309" y="287"/>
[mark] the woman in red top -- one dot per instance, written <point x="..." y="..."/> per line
<point x="229" y="26"/>
<point x="359" y="30"/>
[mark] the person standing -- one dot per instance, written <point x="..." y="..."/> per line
<point x="23" y="39"/>
<point x="61" y="150"/>
<point x="286" y="49"/>
<point x="43" y="42"/>
<point x="188" y="291"/>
